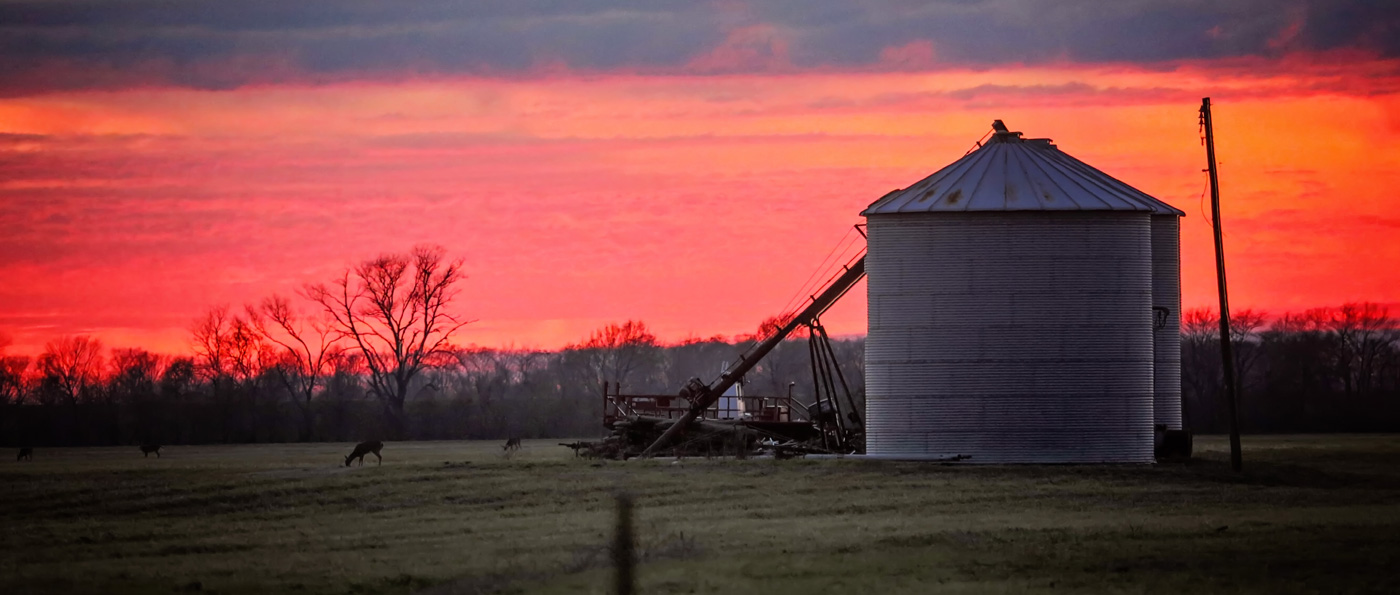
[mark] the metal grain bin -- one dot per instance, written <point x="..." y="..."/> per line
<point x="1010" y="311"/>
<point x="1166" y="306"/>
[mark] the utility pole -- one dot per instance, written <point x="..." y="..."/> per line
<point x="1226" y="350"/>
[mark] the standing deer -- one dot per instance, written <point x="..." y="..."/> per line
<point x="363" y="449"/>
<point x="25" y="454"/>
<point x="511" y="444"/>
<point x="147" y="449"/>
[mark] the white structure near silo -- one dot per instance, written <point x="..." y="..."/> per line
<point x="1011" y="312"/>
<point x="731" y="403"/>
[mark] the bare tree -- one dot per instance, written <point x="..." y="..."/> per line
<point x="1200" y="363"/>
<point x="485" y="375"/>
<point x="229" y="347"/>
<point x="618" y="352"/>
<point x="12" y="369"/>
<point x="135" y="373"/>
<point x="1202" y="375"/>
<point x="13" y="389"/>
<point x="73" y="365"/>
<point x="495" y="381"/>
<point x="233" y="358"/>
<point x="131" y="399"/>
<point x="394" y="309"/>
<point x="1363" y="333"/>
<point x="307" y="349"/>
<point x="1245" y="327"/>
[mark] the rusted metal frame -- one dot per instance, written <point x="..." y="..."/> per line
<point x="830" y="366"/>
<point x="816" y="385"/>
<point x="853" y="273"/>
<point x="624" y="405"/>
<point x="821" y="354"/>
<point x="835" y="366"/>
<point x="614" y="405"/>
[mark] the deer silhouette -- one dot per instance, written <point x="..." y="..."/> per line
<point x="147" y="449"/>
<point x="363" y="449"/>
<point x="511" y="444"/>
<point x="25" y="454"/>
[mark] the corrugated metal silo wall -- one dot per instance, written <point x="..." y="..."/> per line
<point x="1166" y="293"/>
<point x="1010" y="337"/>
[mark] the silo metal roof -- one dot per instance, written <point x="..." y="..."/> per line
<point x="1011" y="173"/>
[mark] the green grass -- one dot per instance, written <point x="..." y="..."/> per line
<point x="1311" y="514"/>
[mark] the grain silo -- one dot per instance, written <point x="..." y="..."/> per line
<point x="1166" y="309"/>
<point x="1011" y="311"/>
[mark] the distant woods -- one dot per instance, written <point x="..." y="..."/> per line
<point x="370" y="355"/>
<point x="244" y="387"/>
<point x="1320" y="370"/>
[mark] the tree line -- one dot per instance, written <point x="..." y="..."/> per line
<point x="370" y="355"/>
<point x="238" y="390"/>
<point x="367" y="355"/>
<point x="1319" y="370"/>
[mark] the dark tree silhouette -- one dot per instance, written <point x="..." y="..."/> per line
<point x="135" y="375"/>
<point x="229" y="348"/>
<point x="12" y="381"/>
<point x="1328" y="370"/>
<point x="394" y="310"/>
<point x="12" y="369"/>
<point x="234" y="359"/>
<point x="307" y="348"/>
<point x="1363" y="333"/>
<point x="619" y="353"/>
<point x="1245" y="328"/>
<point x="72" y="365"/>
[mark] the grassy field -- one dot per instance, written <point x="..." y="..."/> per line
<point x="1311" y="514"/>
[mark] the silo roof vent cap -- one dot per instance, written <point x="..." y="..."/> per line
<point x="1003" y="134"/>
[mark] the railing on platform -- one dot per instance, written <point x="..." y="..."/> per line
<point x="617" y="406"/>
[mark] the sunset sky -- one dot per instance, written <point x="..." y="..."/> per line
<point x="683" y="163"/>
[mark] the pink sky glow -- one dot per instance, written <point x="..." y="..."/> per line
<point x="697" y="203"/>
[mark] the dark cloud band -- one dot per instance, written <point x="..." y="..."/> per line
<point x="210" y="44"/>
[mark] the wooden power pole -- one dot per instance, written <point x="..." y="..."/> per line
<point x="1227" y="355"/>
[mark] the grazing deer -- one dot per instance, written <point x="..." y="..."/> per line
<point x="147" y="449"/>
<point x="363" y="449"/>
<point x="25" y="454"/>
<point x="511" y="444"/>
